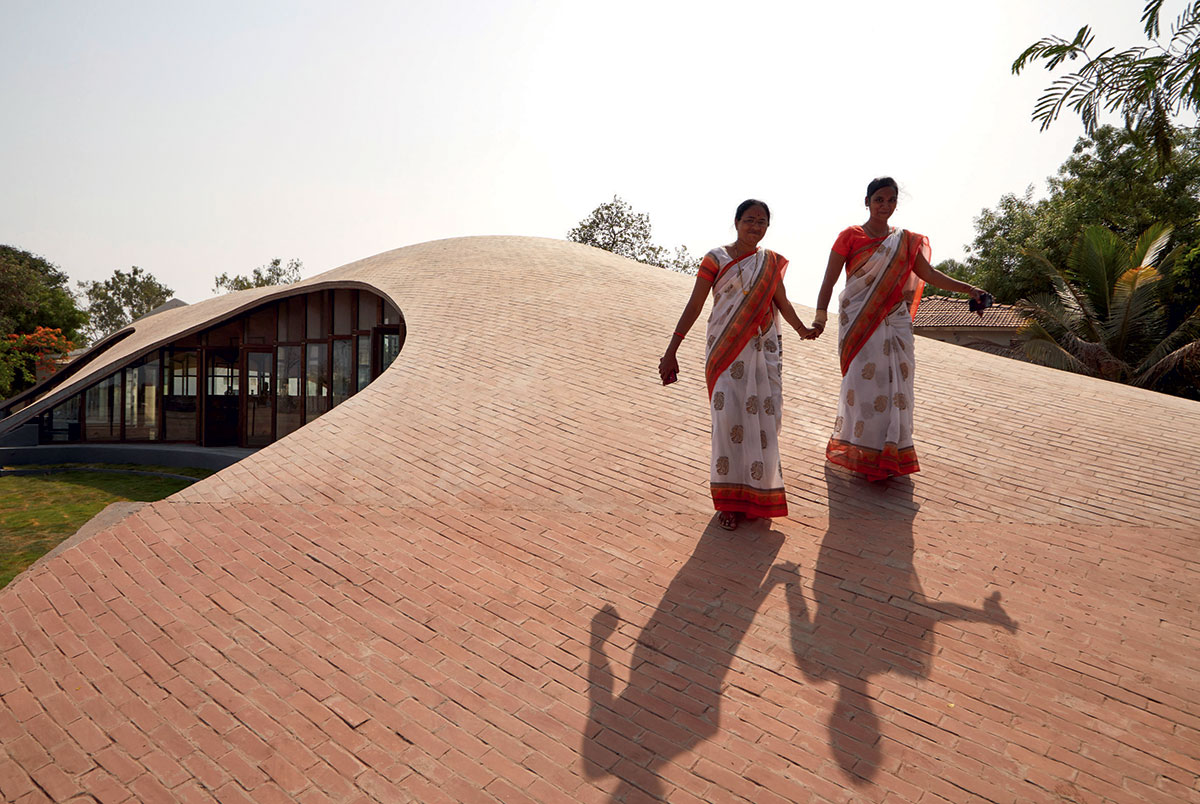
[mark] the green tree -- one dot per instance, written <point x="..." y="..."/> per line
<point x="614" y="226"/>
<point x="1110" y="180"/>
<point x="683" y="262"/>
<point x="1148" y="85"/>
<point x="273" y="273"/>
<point x="996" y="260"/>
<point x="23" y="355"/>
<point x="121" y="300"/>
<point x="35" y="293"/>
<point x="1106" y="318"/>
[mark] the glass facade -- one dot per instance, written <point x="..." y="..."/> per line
<point x="343" y="371"/>
<point x="389" y="343"/>
<point x="102" y="410"/>
<point x="363" y="350"/>
<point x="247" y="381"/>
<point x="180" y="394"/>
<point x="316" y="381"/>
<point x="289" y="406"/>
<point x="142" y="395"/>
<point x="260" y="404"/>
<point x="61" y="422"/>
<point x="343" y="308"/>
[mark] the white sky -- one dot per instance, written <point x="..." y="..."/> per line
<point x="198" y="138"/>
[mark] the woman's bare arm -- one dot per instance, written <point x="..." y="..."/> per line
<point x="833" y="270"/>
<point x="788" y="312"/>
<point x="940" y="280"/>
<point x="669" y="365"/>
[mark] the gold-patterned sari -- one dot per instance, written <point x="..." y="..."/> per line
<point x="743" y="369"/>
<point x="873" y="432"/>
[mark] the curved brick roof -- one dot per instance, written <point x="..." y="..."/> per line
<point x="493" y="576"/>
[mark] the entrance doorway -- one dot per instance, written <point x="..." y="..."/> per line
<point x="221" y="398"/>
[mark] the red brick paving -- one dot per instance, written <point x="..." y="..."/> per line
<point x="493" y="576"/>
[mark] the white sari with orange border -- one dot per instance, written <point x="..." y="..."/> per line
<point x="873" y="432"/>
<point x="743" y="369"/>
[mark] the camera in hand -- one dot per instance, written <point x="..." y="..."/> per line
<point x="985" y="301"/>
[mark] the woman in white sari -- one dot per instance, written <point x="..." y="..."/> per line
<point x="742" y="367"/>
<point x="886" y="270"/>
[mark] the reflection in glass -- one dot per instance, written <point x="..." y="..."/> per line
<point x="221" y="402"/>
<point x="316" y="381"/>
<point x="390" y="314"/>
<point x="222" y="375"/>
<point x="389" y="348"/>
<point x="180" y="384"/>
<point x="342" y="371"/>
<point x="102" y="410"/>
<point x="289" y="414"/>
<point x="364" y="362"/>
<point x="259" y="409"/>
<point x="61" y="422"/>
<point x="142" y="400"/>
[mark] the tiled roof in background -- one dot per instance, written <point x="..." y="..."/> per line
<point x="944" y="311"/>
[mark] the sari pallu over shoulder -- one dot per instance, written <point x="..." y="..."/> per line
<point x="884" y="285"/>
<point x="749" y="295"/>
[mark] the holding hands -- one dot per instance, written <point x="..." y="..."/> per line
<point x="818" y="325"/>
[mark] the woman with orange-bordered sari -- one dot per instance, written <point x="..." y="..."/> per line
<point x="886" y="270"/>
<point x="743" y="367"/>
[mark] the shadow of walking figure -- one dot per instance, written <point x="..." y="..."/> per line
<point x="680" y="660"/>
<point x="872" y="616"/>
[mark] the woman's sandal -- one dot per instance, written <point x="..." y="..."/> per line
<point x="728" y="520"/>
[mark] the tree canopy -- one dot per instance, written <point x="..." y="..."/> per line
<point x="24" y="355"/>
<point x="614" y="226"/>
<point x="121" y="299"/>
<point x="1110" y="180"/>
<point x="1106" y="318"/>
<point x="34" y="293"/>
<point x="1148" y="85"/>
<point x="273" y="273"/>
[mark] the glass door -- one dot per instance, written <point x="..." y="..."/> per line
<point x="258" y="387"/>
<point x="221" y="398"/>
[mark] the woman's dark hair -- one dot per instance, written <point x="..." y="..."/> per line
<point x="878" y="184"/>
<point x="751" y="202"/>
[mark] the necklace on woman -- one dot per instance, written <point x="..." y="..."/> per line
<point x="874" y="236"/>
<point x="745" y="290"/>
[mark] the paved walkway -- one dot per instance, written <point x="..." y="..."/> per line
<point x="493" y="577"/>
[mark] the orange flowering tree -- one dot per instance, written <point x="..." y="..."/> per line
<point x="23" y="355"/>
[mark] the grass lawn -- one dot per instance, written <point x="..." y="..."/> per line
<point x="39" y="511"/>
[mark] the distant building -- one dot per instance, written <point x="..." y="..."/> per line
<point x="949" y="319"/>
<point x="243" y="369"/>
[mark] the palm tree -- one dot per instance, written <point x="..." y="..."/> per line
<point x="1106" y="317"/>
<point x="1148" y="85"/>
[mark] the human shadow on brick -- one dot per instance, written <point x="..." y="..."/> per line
<point x="679" y="662"/>
<point x="871" y="615"/>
